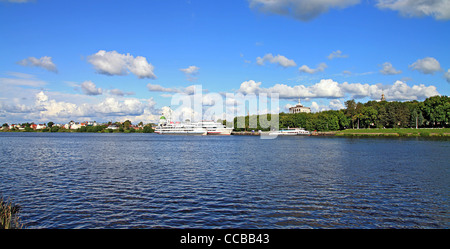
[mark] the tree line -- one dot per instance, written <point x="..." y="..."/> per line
<point x="433" y="112"/>
<point x="125" y="127"/>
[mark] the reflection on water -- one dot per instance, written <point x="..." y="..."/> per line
<point x="66" y="180"/>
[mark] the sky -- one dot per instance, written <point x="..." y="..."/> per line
<point x="108" y="60"/>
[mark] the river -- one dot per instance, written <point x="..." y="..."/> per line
<point x="86" y="180"/>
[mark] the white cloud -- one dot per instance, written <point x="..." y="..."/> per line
<point x="43" y="62"/>
<point x="336" y="104"/>
<point x="187" y="90"/>
<point x="278" y="59"/>
<point x="388" y="69"/>
<point x="89" y="88"/>
<point x="53" y="110"/>
<point x="304" y="10"/>
<point x="250" y="87"/>
<point x="116" y="109"/>
<point x="159" y="88"/>
<point x="428" y="65"/>
<point x="401" y="91"/>
<point x="439" y="9"/>
<point x="190" y="72"/>
<point x="328" y="88"/>
<point x="114" y="63"/>
<point x="447" y="75"/>
<point x="119" y="92"/>
<point x="324" y="89"/>
<point x="141" y="68"/>
<point x="309" y="70"/>
<point x="337" y="54"/>
<point x="315" y="107"/>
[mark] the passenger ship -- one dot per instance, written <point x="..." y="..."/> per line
<point x="168" y="127"/>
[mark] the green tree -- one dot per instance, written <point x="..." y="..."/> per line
<point x="344" y="122"/>
<point x="350" y="111"/>
<point x="416" y="119"/>
<point x="435" y="110"/>
<point x="127" y="124"/>
<point x="148" y="129"/>
<point x="369" y="116"/>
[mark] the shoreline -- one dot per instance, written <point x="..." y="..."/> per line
<point x="391" y="132"/>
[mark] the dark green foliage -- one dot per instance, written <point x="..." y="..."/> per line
<point x="433" y="112"/>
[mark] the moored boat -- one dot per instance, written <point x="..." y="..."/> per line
<point x="290" y="132"/>
<point x="206" y="127"/>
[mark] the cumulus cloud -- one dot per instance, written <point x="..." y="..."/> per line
<point x="43" y="62"/>
<point x="50" y="109"/>
<point x="114" y="63"/>
<point x="278" y="59"/>
<point x="336" y="104"/>
<point x="108" y="109"/>
<point x="89" y="88"/>
<point x="428" y="65"/>
<point x="439" y="9"/>
<point x="303" y="10"/>
<point x="328" y="88"/>
<point x="250" y="87"/>
<point x="337" y="54"/>
<point x="309" y="70"/>
<point x="388" y="69"/>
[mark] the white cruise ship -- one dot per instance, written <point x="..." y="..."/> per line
<point x="168" y="127"/>
<point x="214" y="128"/>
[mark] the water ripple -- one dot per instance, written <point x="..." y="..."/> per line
<point x="150" y="181"/>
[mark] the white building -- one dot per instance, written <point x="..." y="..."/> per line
<point x="40" y="126"/>
<point x="298" y="108"/>
<point x="113" y="127"/>
<point x="75" y="126"/>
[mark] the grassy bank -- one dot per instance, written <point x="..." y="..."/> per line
<point x="403" y="132"/>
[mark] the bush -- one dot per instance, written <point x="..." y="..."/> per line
<point x="148" y="129"/>
<point x="9" y="215"/>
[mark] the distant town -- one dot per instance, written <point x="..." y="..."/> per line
<point x="87" y="126"/>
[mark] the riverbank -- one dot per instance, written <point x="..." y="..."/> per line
<point x="398" y="132"/>
<point x="395" y="132"/>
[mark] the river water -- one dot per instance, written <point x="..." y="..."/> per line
<point x="85" y="180"/>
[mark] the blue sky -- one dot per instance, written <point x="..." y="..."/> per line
<point x="117" y="60"/>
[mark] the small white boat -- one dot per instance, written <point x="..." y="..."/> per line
<point x="290" y="132"/>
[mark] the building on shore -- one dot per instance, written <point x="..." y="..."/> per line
<point x="299" y="108"/>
